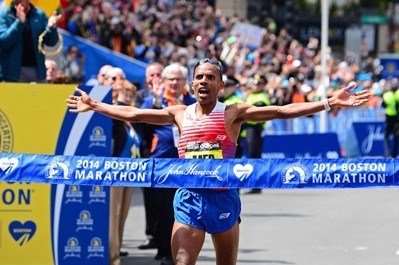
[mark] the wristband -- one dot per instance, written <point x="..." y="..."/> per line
<point x="326" y="105"/>
<point x="157" y="103"/>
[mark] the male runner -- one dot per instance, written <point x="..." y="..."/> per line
<point x="214" y="211"/>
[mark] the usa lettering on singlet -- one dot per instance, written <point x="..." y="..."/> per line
<point x="205" y="137"/>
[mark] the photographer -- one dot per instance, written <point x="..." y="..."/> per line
<point x="72" y="64"/>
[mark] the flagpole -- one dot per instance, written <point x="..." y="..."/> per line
<point x="324" y="44"/>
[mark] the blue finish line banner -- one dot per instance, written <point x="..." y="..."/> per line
<point x="199" y="173"/>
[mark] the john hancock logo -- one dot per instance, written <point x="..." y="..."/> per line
<point x="84" y="222"/>
<point x="58" y="169"/>
<point x="22" y="232"/>
<point x="96" y="248"/>
<point x="72" y="248"/>
<point x="294" y="174"/>
<point x="97" y="137"/>
<point x="97" y="194"/>
<point x="6" y="134"/>
<point x="73" y="194"/>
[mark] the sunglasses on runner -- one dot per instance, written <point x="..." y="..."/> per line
<point x="215" y="63"/>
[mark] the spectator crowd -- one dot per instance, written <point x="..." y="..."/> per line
<point x="184" y="31"/>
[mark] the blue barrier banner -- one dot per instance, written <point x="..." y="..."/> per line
<point x="209" y="173"/>
<point x="75" y="170"/>
<point x="196" y="173"/>
<point x="315" y="145"/>
<point x="370" y="138"/>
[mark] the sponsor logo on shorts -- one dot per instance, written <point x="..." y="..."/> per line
<point x="224" y="215"/>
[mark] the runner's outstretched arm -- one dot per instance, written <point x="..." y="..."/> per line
<point x="84" y="103"/>
<point x="342" y="98"/>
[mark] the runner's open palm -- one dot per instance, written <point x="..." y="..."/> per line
<point x="79" y="103"/>
<point x="345" y="98"/>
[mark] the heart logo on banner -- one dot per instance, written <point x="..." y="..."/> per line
<point x="243" y="172"/>
<point x="7" y="165"/>
<point x="22" y="232"/>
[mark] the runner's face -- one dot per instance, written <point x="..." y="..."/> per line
<point x="207" y="83"/>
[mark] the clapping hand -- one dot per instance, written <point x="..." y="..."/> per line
<point x="53" y="20"/>
<point x="157" y="91"/>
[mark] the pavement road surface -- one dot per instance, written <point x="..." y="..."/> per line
<point x="298" y="226"/>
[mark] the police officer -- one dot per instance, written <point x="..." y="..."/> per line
<point x="253" y="130"/>
<point x="391" y="103"/>
<point x="231" y="94"/>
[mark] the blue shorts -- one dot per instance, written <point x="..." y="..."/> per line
<point x="213" y="211"/>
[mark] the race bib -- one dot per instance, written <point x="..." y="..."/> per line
<point x="204" y="150"/>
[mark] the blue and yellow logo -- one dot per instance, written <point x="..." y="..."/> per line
<point x="97" y="194"/>
<point x="72" y="248"/>
<point x="98" y="137"/>
<point x="22" y="232"/>
<point x="84" y="222"/>
<point x="74" y="194"/>
<point x="96" y="248"/>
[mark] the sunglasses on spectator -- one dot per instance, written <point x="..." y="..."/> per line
<point x="215" y="63"/>
<point x="114" y="78"/>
